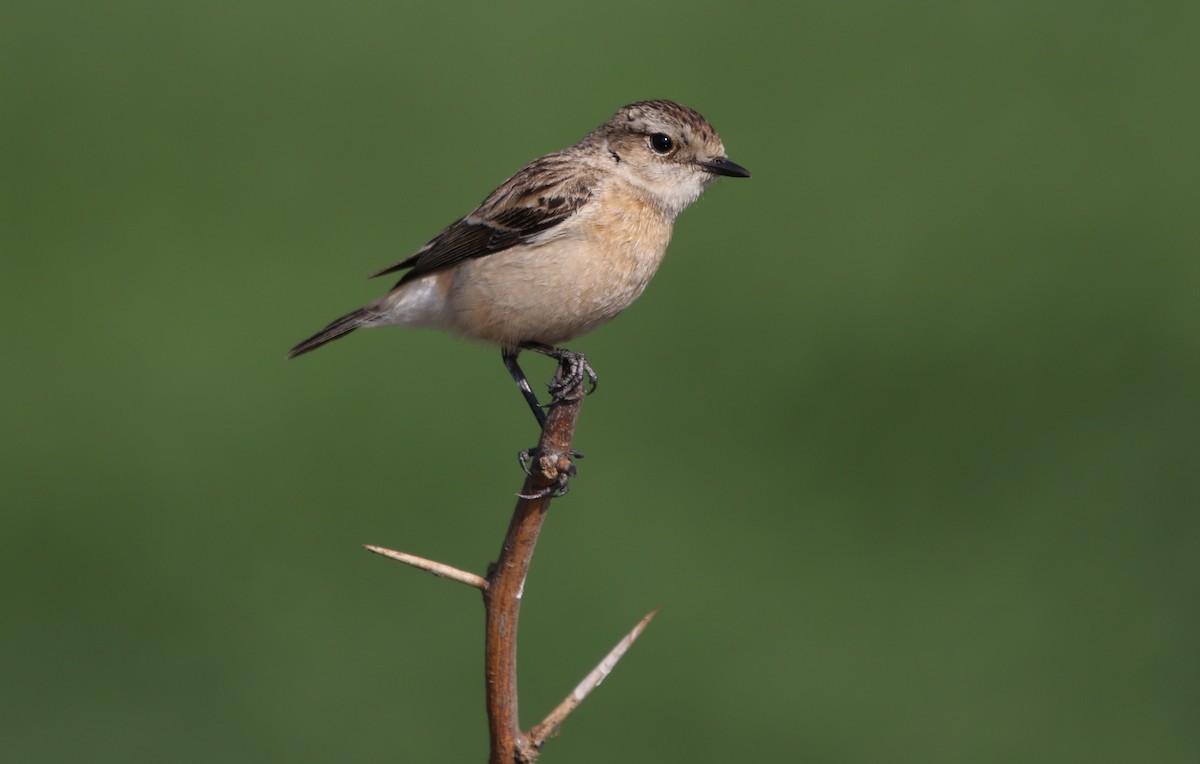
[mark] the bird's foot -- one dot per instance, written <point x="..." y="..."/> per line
<point x="560" y="470"/>
<point x="525" y="457"/>
<point x="572" y="369"/>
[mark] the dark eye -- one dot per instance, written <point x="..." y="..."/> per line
<point x="661" y="143"/>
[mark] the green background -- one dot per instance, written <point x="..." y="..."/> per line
<point x="902" y="439"/>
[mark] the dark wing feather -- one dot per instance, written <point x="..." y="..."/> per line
<point x="539" y="197"/>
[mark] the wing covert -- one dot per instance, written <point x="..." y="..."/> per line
<point x="538" y="198"/>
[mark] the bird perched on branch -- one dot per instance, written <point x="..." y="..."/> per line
<point x="559" y="248"/>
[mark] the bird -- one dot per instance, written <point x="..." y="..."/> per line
<point x="561" y="247"/>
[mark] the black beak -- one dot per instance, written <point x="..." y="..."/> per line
<point x="722" y="166"/>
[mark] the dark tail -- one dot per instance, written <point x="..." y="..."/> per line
<point x="338" y="328"/>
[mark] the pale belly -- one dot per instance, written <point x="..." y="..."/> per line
<point x="586" y="273"/>
<point x="554" y="292"/>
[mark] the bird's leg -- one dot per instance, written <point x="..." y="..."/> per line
<point x="510" y="363"/>
<point x="572" y="368"/>
<point x="526" y="456"/>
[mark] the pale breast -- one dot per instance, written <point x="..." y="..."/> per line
<point x="590" y="269"/>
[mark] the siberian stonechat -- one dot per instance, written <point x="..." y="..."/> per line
<point x="559" y="248"/>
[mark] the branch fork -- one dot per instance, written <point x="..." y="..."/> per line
<point x="504" y="583"/>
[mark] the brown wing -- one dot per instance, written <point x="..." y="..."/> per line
<point x="541" y="196"/>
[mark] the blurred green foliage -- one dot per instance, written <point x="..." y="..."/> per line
<point x="903" y="439"/>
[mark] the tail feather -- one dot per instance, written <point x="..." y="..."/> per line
<point x="338" y="328"/>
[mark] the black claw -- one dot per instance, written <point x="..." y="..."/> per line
<point x="526" y="456"/>
<point x="560" y="485"/>
<point x="573" y="369"/>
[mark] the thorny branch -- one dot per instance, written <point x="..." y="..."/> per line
<point x="502" y="590"/>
